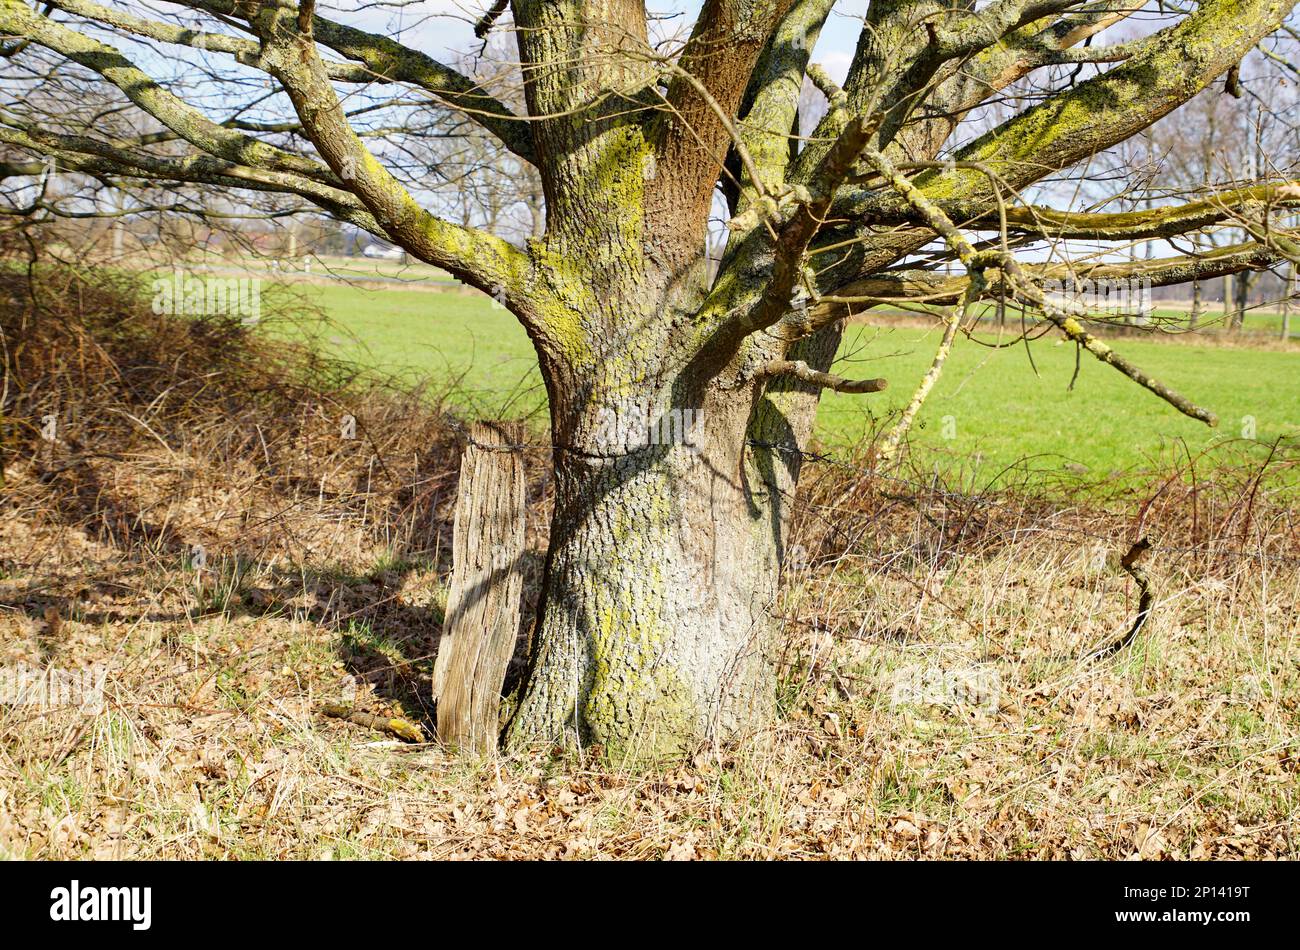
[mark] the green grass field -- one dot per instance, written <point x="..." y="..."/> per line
<point x="440" y="337"/>
<point x="989" y="406"/>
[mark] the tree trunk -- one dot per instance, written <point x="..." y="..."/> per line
<point x="655" y="627"/>
<point x="655" y="620"/>
<point x="671" y="513"/>
<point x="1197" y="305"/>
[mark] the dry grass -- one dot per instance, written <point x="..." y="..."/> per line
<point x="325" y="573"/>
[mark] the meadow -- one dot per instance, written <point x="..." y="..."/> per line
<point x="994" y="407"/>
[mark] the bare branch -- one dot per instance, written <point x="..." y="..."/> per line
<point x="887" y="448"/>
<point x="485" y="23"/>
<point x="387" y="60"/>
<point x="180" y="117"/>
<point x="805" y="373"/>
<point x="1160" y="222"/>
<point x="485" y="261"/>
<point x="1065" y="318"/>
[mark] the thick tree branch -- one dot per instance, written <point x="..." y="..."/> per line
<point x="484" y="26"/>
<point x="95" y="157"/>
<point x="771" y="102"/>
<point x="692" y="139"/>
<point x="968" y="82"/>
<point x="911" y="286"/>
<point x="1172" y="67"/>
<point x="751" y="307"/>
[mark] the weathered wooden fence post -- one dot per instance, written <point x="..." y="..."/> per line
<point x="482" y="622"/>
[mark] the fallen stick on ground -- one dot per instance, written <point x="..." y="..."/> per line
<point x="1145" y="600"/>
<point x="407" y="731"/>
